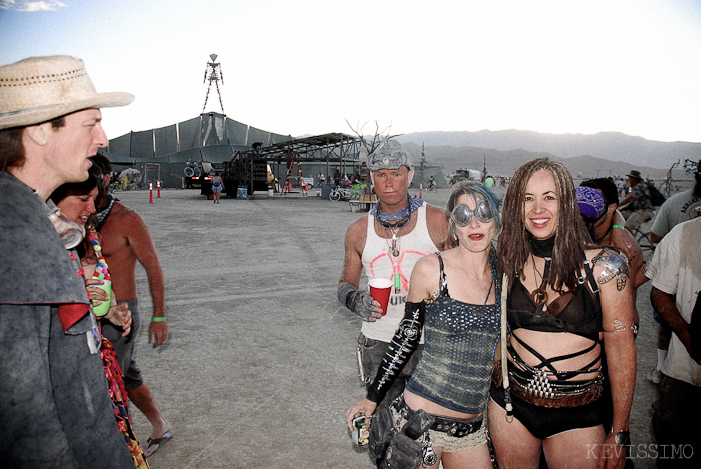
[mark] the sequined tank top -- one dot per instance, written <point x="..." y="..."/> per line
<point x="456" y="365"/>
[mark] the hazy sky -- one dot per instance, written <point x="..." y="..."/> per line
<point x="304" y="66"/>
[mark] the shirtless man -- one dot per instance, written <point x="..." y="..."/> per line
<point x="125" y="240"/>
<point x="610" y="231"/>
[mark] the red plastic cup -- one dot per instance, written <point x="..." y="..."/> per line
<point x="380" y="289"/>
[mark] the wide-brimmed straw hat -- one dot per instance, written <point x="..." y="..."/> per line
<point x="39" y="89"/>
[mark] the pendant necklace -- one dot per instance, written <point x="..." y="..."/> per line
<point x="395" y="229"/>
<point x="394" y="247"/>
<point x="541" y="248"/>
<point x="540" y="295"/>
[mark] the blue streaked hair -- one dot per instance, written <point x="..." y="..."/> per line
<point x="478" y="191"/>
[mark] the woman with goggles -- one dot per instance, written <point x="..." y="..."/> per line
<point x="454" y="301"/>
<point x="570" y="311"/>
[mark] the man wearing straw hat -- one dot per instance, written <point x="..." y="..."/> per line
<point x="55" y="409"/>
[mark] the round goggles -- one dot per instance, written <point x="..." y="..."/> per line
<point x="462" y="214"/>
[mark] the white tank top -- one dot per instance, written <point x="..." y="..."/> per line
<point x="379" y="262"/>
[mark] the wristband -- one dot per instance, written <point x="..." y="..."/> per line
<point x="344" y="292"/>
<point x="158" y="319"/>
<point x="619" y="226"/>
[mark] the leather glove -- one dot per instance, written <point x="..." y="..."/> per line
<point x="360" y="302"/>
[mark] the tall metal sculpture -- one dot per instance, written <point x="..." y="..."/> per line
<point x="214" y="74"/>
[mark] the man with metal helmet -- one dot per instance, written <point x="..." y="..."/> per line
<point x="386" y="243"/>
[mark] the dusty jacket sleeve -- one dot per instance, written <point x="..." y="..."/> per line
<point x="404" y="343"/>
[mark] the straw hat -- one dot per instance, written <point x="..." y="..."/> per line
<point x="38" y="89"/>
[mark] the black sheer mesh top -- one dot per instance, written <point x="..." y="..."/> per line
<point x="576" y="312"/>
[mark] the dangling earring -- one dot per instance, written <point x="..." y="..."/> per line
<point x="455" y="237"/>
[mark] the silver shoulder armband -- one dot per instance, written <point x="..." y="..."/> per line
<point x="615" y="266"/>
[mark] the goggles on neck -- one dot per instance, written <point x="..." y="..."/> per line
<point x="462" y="214"/>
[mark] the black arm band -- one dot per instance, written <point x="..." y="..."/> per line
<point x="404" y="344"/>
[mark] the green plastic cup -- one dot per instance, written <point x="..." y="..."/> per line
<point x="104" y="307"/>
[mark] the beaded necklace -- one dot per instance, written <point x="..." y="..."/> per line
<point x="101" y="272"/>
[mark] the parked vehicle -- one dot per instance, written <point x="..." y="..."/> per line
<point x="465" y="174"/>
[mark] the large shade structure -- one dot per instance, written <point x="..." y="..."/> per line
<point x="164" y="153"/>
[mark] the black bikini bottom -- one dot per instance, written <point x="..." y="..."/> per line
<point x="545" y="422"/>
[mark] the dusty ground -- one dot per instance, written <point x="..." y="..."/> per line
<point x="260" y="366"/>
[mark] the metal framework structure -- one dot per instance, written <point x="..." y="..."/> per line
<point x="333" y="148"/>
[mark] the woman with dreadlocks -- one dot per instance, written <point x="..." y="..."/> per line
<point x="569" y="309"/>
<point x="454" y="302"/>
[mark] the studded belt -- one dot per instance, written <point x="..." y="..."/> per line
<point x="452" y="426"/>
<point x="543" y="392"/>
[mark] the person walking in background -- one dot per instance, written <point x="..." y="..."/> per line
<point x="637" y="206"/>
<point x="621" y="187"/>
<point x="387" y="243"/>
<point x="126" y="240"/>
<point x="217" y="187"/>
<point x="337" y="177"/>
<point x="55" y="409"/>
<point x="454" y="303"/>
<point x="566" y="306"/>
<point x="675" y="272"/>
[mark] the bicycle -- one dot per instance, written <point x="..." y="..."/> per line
<point x="193" y="169"/>
<point x="346" y="193"/>
<point x="643" y="237"/>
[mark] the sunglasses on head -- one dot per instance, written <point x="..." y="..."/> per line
<point x="462" y="214"/>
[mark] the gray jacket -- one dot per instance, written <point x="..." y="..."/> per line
<point x="55" y="409"/>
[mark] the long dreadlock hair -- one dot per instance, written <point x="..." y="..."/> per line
<point x="570" y="236"/>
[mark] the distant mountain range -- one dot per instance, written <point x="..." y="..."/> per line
<point x="601" y="154"/>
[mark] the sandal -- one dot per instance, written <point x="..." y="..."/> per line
<point x="153" y="445"/>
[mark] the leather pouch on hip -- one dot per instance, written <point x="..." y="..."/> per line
<point x="381" y="432"/>
<point x="403" y="453"/>
<point x="417" y="423"/>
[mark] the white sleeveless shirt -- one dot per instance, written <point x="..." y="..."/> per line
<point x="379" y="262"/>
